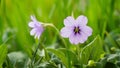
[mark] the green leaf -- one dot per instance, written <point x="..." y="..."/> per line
<point x="92" y="51"/>
<point x="17" y="59"/>
<point x="3" y="53"/>
<point x="46" y="55"/>
<point x="118" y="41"/>
<point x="60" y="55"/>
<point x="72" y="56"/>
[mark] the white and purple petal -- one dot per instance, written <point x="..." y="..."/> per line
<point x="82" y="20"/>
<point x="31" y="24"/>
<point x="78" y="38"/>
<point x="66" y="31"/>
<point x="33" y="18"/>
<point x="75" y="39"/>
<point x="33" y="31"/>
<point x="37" y="28"/>
<point x="86" y="30"/>
<point x="69" y="21"/>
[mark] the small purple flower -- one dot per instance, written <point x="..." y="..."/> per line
<point x="76" y="30"/>
<point x="36" y="26"/>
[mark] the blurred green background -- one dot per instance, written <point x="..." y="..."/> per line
<point x="103" y="17"/>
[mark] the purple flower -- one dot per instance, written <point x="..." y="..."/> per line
<point x="36" y="26"/>
<point x="76" y="30"/>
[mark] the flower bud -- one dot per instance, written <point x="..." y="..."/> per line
<point x="91" y="63"/>
<point x="113" y="49"/>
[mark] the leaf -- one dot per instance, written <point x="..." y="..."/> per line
<point x="17" y="59"/>
<point x="118" y="41"/>
<point x="92" y="51"/>
<point x="112" y="38"/>
<point x="46" y="55"/>
<point x="60" y="55"/>
<point x="3" y="53"/>
<point x="72" y="55"/>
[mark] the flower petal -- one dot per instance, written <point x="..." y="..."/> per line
<point x="66" y="31"/>
<point x="39" y="33"/>
<point x="33" y="31"/>
<point x="86" y="30"/>
<point x="38" y="36"/>
<point x="83" y="37"/>
<point x="69" y="21"/>
<point x="31" y="24"/>
<point x="33" y="18"/>
<point x="82" y="20"/>
<point x="35" y="36"/>
<point x="76" y="39"/>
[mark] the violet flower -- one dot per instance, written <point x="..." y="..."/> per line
<point x="76" y="30"/>
<point x="36" y="26"/>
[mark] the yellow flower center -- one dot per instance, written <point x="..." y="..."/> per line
<point x="76" y="30"/>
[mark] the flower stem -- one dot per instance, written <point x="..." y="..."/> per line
<point x="51" y="25"/>
<point x="78" y="51"/>
<point x="68" y="56"/>
<point x="35" y="53"/>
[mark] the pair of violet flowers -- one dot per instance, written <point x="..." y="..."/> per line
<point x="75" y="29"/>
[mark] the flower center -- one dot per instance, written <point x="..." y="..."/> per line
<point x="76" y="30"/>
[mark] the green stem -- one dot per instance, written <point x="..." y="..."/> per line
<point x="68" y="59"/>
<point x="51" y="25"/>
<point x="46" y="54"/>
<point x="79" y="49"/>
<point x="78" y="52"/>
<point x="35" y="53"/>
